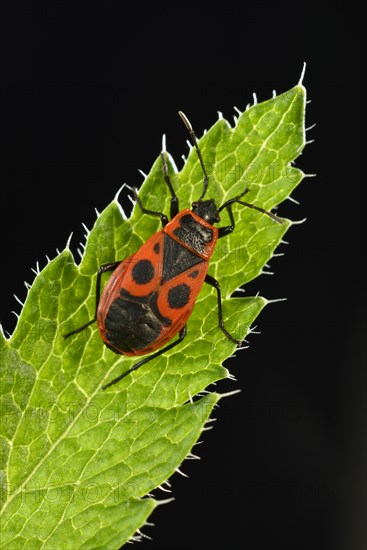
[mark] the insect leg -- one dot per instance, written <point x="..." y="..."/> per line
<point x="223" y="231"/>
<point x="174" y="199"/>
<point x="103" y="268"/>
<point x="213" y="282"/>
<point x="181" y="336"/>
<point x="164" y="219"/>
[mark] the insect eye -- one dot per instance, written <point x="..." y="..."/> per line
<point x="194" y="204"/>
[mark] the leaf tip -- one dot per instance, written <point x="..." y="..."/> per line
<point x="67" y="246"/>
<point x="298" y="222"/>
<point x="181" y="472"/>
<point x="15" y="313"/>
<point x="164" y="148"/>
<point x="164" y="489"/>
<point x="291" y="199"/>
<point x="117" y="196"/>
<point x="300" y="82"/>
<point x="85" y="229"/>
<point x="310" y="127"/>
<point x="164" y="501"/>
<point x="36" y="270"/>
<point x="2" y="332"/>
<point x="18" y="300"/>
<point x="143" y="535"/>
<point x="229" y="393"/>
<point x="275" y="300"/>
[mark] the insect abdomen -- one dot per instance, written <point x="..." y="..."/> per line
<point x="131" y="325"/>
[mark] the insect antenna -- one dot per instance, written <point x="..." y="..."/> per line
<point x="194" y="140"/>
<point x="236" y="199"/>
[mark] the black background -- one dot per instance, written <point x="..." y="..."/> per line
<point x="86" y="93"/>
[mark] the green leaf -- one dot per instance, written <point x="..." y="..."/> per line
<point x="77" y="463"/>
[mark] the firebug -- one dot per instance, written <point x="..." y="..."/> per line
<point x="151" y="294"/>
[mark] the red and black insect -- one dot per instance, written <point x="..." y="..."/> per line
<point x="151" y="294"/>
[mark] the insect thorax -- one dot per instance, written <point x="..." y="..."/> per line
<point x="193" y="233"/>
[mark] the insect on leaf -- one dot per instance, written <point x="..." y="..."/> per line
<point x="77" y="463"/>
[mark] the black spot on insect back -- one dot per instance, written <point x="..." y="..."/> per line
<point x="178" y="296"/>
<point x="194" y="274"/>
<point x="143" y="272"/>
<point x="156" y="248"/>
